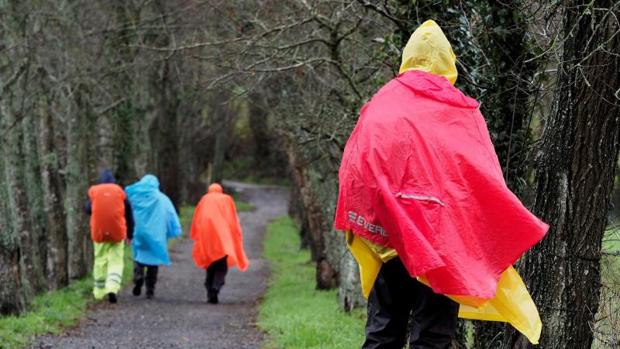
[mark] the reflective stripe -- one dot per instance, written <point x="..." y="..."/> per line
<point x="421" y="198"/>
<point x="115" y="277"/>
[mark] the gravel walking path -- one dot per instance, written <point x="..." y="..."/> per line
<point x="179" y="316"/>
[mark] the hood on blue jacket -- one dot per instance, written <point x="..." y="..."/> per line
<point x="149" y="181"/>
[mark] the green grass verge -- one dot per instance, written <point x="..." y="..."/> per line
<point x="49" y="313"/>
<point x="608" y="316"/>
<point x="186" y="215"/>
<point x="54" y="311"/>
<point x="293" y="313"/>
<point x="243" y="206"/>
<point x="244" y="169"/>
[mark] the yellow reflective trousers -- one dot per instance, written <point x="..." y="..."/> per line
<point x="108" y="268"/>
<point x="512" y="302"/>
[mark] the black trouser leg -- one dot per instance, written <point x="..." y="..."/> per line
<point x="434" y="320"/>
<point x="138" y="274"/>
<point x="389" y="306"/>
<point x="393" y="297"/>
<point x="151" y="278"/>
<point x="216" y="276"/>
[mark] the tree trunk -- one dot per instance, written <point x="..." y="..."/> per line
<point x="35" y="200"/>
<point x="123" y="119"/>
<point x="222" y="118"/>
<point x="317" y="189"/>
<point x="575" y="178"/>
<point x="18" y="200"/>
<point x="11" y="296"/>
<point x="260" y="129"/>
<point x="53" y="197"/>
<point x="89" y="159"/>
<point x="166" y="140"/>
<point x="76" y="188"/>
<point x="123" y="143"/>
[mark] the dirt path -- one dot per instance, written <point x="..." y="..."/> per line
<point x="179" y="316"/>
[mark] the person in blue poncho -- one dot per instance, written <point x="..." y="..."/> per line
<point x="156" y="221"/>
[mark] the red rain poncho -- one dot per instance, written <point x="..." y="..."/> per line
<point x="419" y="174"/>
<point x="216" y="231"/>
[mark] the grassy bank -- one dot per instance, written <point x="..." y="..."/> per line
<point x="243" y="206"/>
<point x="294" y="314"/>
<point x="49" y="313"/>
<point x="607" y="326"/>
<point x="54" y="311"/>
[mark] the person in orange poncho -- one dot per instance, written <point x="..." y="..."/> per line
<point x="218" y="240"/>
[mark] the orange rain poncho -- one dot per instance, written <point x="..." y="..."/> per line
<point x="216" y="231"/>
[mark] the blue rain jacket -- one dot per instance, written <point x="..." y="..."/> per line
<point x="156" y="221"/>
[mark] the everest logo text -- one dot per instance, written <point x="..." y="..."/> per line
<point x="363" y="222"/>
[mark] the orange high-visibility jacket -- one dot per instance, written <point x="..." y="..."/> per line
<point x="216" y="231"/>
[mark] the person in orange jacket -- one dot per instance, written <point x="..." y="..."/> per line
<point x="218" y="239"/>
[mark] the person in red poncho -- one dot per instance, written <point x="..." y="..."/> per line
<point x="427" y="212"/>
<point x="218" y="240"/>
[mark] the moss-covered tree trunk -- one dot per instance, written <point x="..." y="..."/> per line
<point x="53" y="202"/>
<point x="575" y="177"/>
<point x="35" y="200"/>
<point x="77" y="186"/>
<point x="11" y="296"/>
<point x="316" y="182"/>
<point x="18" y="198"/>
<point x="89" y="159"/>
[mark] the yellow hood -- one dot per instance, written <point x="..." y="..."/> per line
<point x="429" y="50"/>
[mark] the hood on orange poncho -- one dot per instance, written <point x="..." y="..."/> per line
<point x="216" y="231"/>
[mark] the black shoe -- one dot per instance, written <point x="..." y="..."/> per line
<point x="150" y="294"/>
<point x="112" y="298"/>
<point x="212" y="298"/>
<point x="137" y="290"/>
